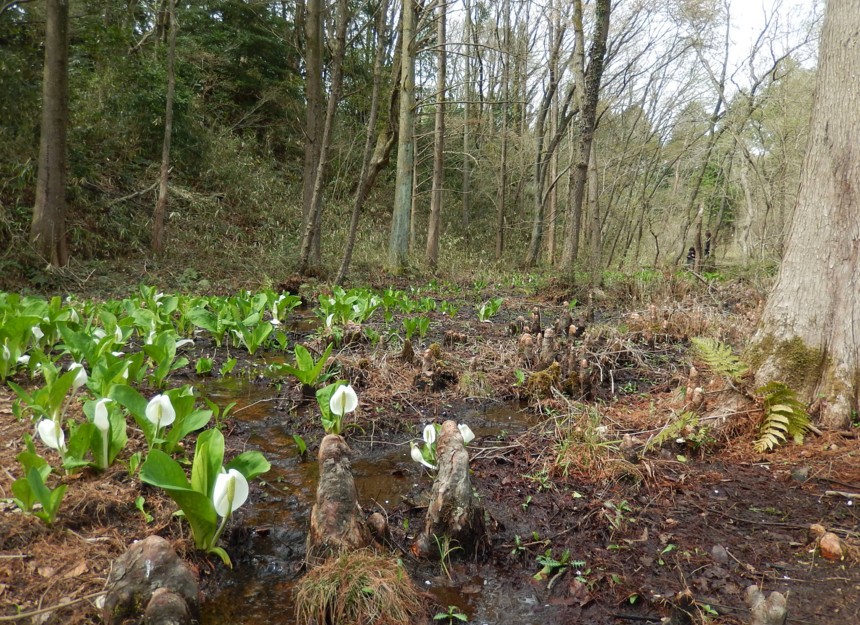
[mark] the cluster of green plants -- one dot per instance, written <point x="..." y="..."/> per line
<point x="103" y="357"/>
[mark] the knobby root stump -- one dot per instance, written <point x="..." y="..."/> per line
<point x="770" y="611"/>
<point x="455" y="517"/>
<point x="151" y="578"/>
<point x="337" y="523"/>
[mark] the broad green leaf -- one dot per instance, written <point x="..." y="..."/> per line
<point x="208" y="458"/>
<point x="250" y="464"/>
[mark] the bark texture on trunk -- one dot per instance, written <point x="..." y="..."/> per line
<point x="808" y="336"/>
<point x="48" y="228"/>
<point x="337" y="523"/>
<point x="161" y="203"/>
<point x="455" y="517"/>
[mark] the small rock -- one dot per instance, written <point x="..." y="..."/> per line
<point x="800" y="474"/>
<point x="830" y="546"/>
<point x="719" y="554"/>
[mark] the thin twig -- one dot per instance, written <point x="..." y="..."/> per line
<point x="23" y="615"/>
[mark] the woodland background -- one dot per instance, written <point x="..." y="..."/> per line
<point x="697" y="129"/>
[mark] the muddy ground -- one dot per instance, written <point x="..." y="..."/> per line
<point x="699" y="512"/>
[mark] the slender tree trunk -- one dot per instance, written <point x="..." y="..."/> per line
<point x="587" y="120"/>
<point x="807" y="337"/>
<point x="365" y="181"/>
<point x="312" y="225"/>
<point x="467" y="118"/>
<point x="552" y="199"/>
<point x="48" y="228"/>
<point x="161" y="203"/>
<point x="438" y="141"/>
<point x="596" y="247"/>
<point x="314" y="122"/>
<point x="503" y="164"/>
<point x="398" y="249"/>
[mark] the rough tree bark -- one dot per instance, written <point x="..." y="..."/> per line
<point x="337" y="523"/>
<point x="48" y="228"/>
<point x="455" y="517"/>
<point x="808" y="335"/>
<point x="161" y="202"/>
<point x="587" y="121"/>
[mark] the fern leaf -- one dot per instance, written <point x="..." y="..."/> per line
<point x="784" y="416"/>
<point x="718" y="357"/>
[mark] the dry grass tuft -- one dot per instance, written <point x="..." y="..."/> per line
<point x="357" y="588"/>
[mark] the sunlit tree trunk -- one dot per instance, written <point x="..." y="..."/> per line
<point x="48" y="228"/>
<point x="438" y="141"/>
<point x="161" y="202"/>
<point x="398" y="248"/>
<point x="808" y="335"/>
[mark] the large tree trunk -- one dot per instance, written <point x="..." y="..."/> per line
<point x="503" y="163"/>
<point x="161" y="203"/>
<point x="398" y="248"/>
<point x="438" y="142"/>
<point x="48" y="228"/>
<point x="467" y="117"/>
<point x="808" y="333"/>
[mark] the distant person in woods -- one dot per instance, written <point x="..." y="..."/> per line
<point x="691" y="256"/>
<point x="707" y="251"/>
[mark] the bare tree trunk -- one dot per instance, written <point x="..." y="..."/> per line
<point x="808" y="333"/>
<point x="398" y="249"/>
<point x="552" y="199"/>
<point x="365" y="181"/>
<point x="314" y="123"/>
<point x="467" y="117"/>
<point x="161" y="203"/>
<point x="438" y="141"/>
<point x="503" y="164"/>
<point x="596" y="247"/>
<point x="587" y="121"/>
<point x="48" y="228"/>
<point x="312" y="224"/>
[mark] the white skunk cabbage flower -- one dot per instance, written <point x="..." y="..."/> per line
<point x="160" y="411"/>
<point x="81" y="377"/>
<point x="100" y="416"/>
<point x="52" y="434"/>
<point x="430" y="434"/>
<point x="37" y="332"/>
<point x="230" y="492"/>
<point x="466" y="432"/>
<point x="418" y="457"/>
<point x="343" y="400"/>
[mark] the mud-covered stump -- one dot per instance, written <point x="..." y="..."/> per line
<point x="455" y="517"/>
<point x="337" y="523"/>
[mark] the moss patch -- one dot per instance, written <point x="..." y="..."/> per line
<point x="793" y="362"/>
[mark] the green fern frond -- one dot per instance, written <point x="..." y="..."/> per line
<point x="718" y="357"/>
<point x="784" y="416"/>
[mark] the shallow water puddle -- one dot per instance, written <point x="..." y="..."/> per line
<point x="269" y="549"/>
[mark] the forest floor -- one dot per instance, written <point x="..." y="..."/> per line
<point x="651" y="487"/>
